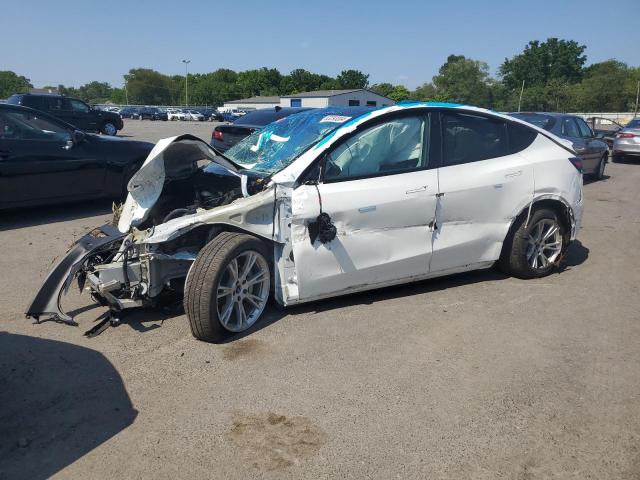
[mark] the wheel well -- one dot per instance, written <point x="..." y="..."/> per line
<point x="203" y="234"/>
<point x="557" y="206"/>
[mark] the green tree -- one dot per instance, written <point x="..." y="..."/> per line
<point x="399" y="93"/>
<point x="382" y="88"/>
<point x="11" y="83"/>
<point x="541" y="62"/>
<point x="215" y="88"/>
<point x="352" y="79"/>
<point x="603" y="87"/>
<point x="463" y="80"/>
<point x="263" y="81"/>
<point x="426" y="91"/>
<point x="148" y="87"/>
<point x="301" y="80"/>
<point x="95" y="92"/>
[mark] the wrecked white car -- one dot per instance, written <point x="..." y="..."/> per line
<point x="324" y="203"/>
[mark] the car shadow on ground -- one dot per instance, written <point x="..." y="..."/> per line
<point x="576" y="255"/>
<point x="30" y="217"/>
<point x="588" y="180"/>
<point x="628" y="160"/>
<point x="58" y="402"/>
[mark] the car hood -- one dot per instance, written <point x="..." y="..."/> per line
<point x="169" y="158"/>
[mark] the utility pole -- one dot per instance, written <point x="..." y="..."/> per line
<point x="186" y="82"/>
<point x="126" y="94"/>
<point x="635" y="113"/>
<point x="521" y="92"/>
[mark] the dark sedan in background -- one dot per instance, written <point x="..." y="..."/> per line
<point x="44" y="160"/>
<point x="129" y="112"/>
<point x="152" y="113"/>
<point x="224" y="137"/>
<point x="592" y="151"/>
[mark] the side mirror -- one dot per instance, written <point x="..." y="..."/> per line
<point x="77" y="137"/>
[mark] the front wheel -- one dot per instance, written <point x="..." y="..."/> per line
<point x="535" y="247"/>
<point x="227" y="287"/>
<point x="108" y="128"/>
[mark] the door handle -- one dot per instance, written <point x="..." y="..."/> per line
<point x="416" y="190"/>
<point x="513" y="174"/>
<point x="370" y="208"/>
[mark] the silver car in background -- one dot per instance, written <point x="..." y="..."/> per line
<point x="627" y="141"/>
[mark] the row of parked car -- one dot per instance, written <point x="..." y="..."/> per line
<point x="183" y="114"/>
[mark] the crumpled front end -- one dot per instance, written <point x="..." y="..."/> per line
<point x="179" y="200"/>
<point x="93" y="247"/>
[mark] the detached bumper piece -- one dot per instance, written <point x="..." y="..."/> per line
<point x="47" y="300"/>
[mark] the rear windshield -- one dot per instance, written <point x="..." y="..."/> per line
<point x="539" y="120"/>
<point x="634" y="123"/>
<point x="258" y="117"/>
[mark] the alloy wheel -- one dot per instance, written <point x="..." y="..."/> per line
<point x="544" y="244"/>
<point x="243" y="291"/>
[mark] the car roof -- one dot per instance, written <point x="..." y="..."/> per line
<point x="20" y="108"/>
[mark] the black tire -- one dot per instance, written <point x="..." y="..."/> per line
<point x="200" y="290"/>
<point x="108" y="128"/>
<point x="599" y="173"/>
<point x="513" y="260"/>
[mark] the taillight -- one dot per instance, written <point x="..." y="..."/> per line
<point x="625" y="135"/>
<point x="576" y="162"/>
<point x="217" y="134"/>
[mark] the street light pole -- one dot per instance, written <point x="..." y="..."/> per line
<point x="521" y="92"/>
<point x="637" y="99"/>
<point x="186" y="82"/>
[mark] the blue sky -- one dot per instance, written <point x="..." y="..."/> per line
<point x="73" y="42"/>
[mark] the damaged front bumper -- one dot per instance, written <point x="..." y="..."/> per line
<point x="47" y="300"/>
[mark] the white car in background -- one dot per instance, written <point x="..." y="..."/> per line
<point x="328" y="202"/>
<point x="193" y="115"/>
<point x="175" y="114"/>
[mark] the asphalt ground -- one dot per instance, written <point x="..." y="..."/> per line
<point x="473" y="376"/>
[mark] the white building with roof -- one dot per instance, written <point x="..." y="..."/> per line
<point x="357" y="97"/>
<point x="253" y="103"/>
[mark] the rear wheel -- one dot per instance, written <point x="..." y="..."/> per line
<point x="227" y="287"/>
<point x="535" y="247"/>
<point x="599" y="173"/>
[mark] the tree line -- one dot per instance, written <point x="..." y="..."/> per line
<point x="546" y="76"/>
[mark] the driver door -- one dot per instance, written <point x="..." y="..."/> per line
<point x="380" y="193"/>
<point x="40" y="163"/>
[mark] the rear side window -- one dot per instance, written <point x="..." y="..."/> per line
<point x="471" y="138"/>
<point x="585" y="131"/>
<point x="520" y="137"/>
<point x="34" y="102"/>
<point x="570" y="128"/>
<point x="259" y="117"/>
<point x="57" y="104"/>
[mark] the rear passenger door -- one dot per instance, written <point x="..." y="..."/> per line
<point x="571" y="131"/>
<point x="593" y="150"/>
<point x="483" y="183"/>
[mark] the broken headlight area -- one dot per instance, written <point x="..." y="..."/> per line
<point x="206" y="188"/>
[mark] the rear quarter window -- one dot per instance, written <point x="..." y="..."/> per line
<point x="520" y="137"/>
